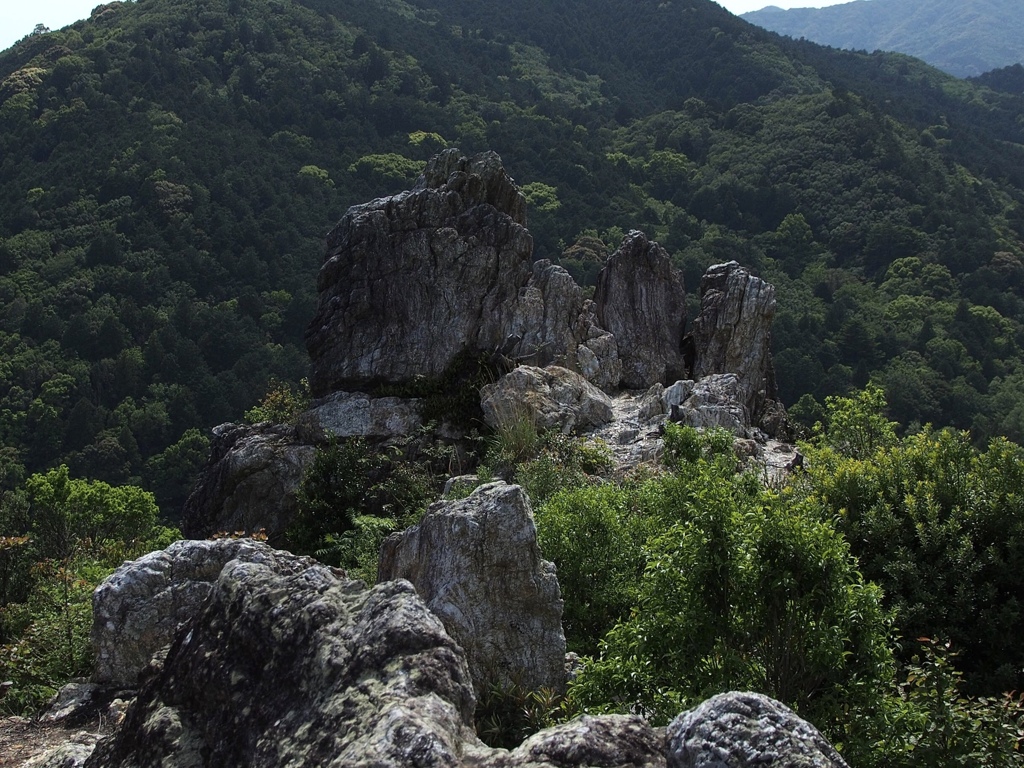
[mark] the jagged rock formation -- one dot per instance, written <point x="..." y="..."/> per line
<point x="641" y="300"/>
<point x="477" y="565"/>
<point x="249" y="482"/>
<point x="555" y="325"/>
<point x="732" y="333"/>
<point x="286" y="662"/>
<point x="412" y="280"/>
<point x="289" y="664"/>
<point x="552" y="398"/>
<point x="138" y="608"/>
<point x="739" y="729"/>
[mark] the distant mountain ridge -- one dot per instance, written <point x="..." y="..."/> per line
<point x="962" y="37"/>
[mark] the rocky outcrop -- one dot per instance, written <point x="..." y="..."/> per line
<point x="641" y="300"/>
<point x="747" y="729"/>
<point x="138" y="608"/>
<point x="613" y="741"/>
<point x="551" y="398"/>
<point x="555" y="325"/>
<point x="287" y="663"/>
<point x="249" y="482"/>
<point x="352" y="414"/>
<point x="732" y="333"/>
<point x="477" y="565"/>
<point x="411" y="281"/>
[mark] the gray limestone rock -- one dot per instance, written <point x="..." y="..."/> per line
<point x="477" y="565"/>
<point x="552" y="398"/>
<point x="249" y="482"/>
<point x="641" y="300"/>
<point x="714" y="401"/>
<point x="737" y="730"/>
<point x="608" y="741"/>
<point x="138" y="608"/>
<point x="351" y="414"/>
<point x="412" y="280"/>
<point x="732" y="333"/>
<point x="287" y="663"/>
<point x="555" y="325"/>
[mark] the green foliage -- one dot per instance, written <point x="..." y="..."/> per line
<point x="595" y="535"/>
<point x="69" y="534"/>
<point x="743" y="591"/>
<point x="857" y="426"/>
<point x="515" y="439"/>
<point x="351" y="495"/>
<point x="507" y="714"/>
<point x="929" y="721"/>
<point x="282" y="403"/>
<point x="563" y="461"/>
<point x="688" y="445"/>
<point x="939" y="525"/>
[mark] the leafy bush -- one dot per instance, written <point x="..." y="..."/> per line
<point x="939" y="525"/>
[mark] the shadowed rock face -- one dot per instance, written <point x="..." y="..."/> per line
<point x="412" y="281"/>
<point x="249" y="482"/>
<point x="477" y="565"/>
<point x="287" y="663"/>
<point x="641" y="300"/>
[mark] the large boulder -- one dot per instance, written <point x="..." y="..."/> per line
<point x="139" y="607"/>
<point x="641" y="300"/>
<point x="249" y="482"/>
<point x="412" y="280"/>
<point x="736" y="730"/>
<point x="714" y="401"/>
<point x="732" y="333"/>
<point x="477" y="565"/>
<point x="552" y="398"/>
<point x="287" y="663"/>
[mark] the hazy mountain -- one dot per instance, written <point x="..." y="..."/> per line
<point x="962" y="37"/>
<point x="168" y="169"/>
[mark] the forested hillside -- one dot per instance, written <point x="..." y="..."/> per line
<point x="170" y="166"/>
<point x="963" y="37"/>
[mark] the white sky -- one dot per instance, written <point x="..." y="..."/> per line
<point x="19" y="17"/>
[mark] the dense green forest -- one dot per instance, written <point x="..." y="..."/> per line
<point x="168" y="169"/>
<point x="170" y="166"/>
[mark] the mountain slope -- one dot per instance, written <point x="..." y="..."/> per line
<point x="168" y="168"/>
<point x="962" y="37"/>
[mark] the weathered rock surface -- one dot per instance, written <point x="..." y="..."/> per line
<point x="351" y="414"/>
<point x="286" y="662"/>
<point x="412" y="280"/>
<point x="609" y="741"/>
<point x="714" y="401"/>
<point x="732" y="333"/>
<point x="553" y="398"/>
<point x="736" y="730"/>
<point x="476" y="564"/>
<point x="249" y="481"/>
<point x="289" y="664"/>
<point x="555" y="325"/>
<point x="641" y="300"/>
<point x="138" y="608"/>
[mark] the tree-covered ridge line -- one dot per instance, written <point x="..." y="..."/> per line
<point x="170" y="166"/>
